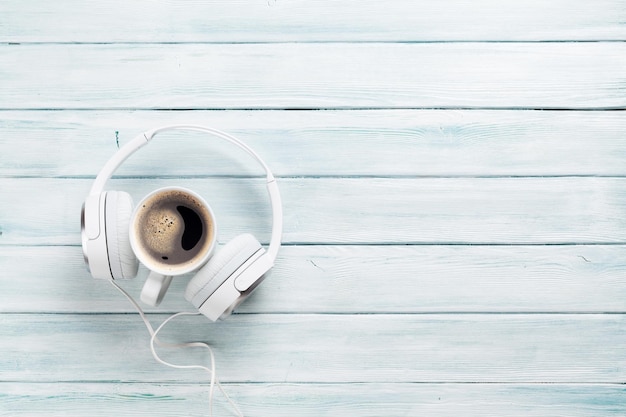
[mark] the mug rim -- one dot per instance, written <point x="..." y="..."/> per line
<point x="180" y="269"/>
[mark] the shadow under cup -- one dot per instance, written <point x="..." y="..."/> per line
<point x="172" y="231"/>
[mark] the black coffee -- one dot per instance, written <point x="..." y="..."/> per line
<point x="193" y="230"/>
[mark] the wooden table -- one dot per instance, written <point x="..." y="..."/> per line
<point x="453" y="177"/>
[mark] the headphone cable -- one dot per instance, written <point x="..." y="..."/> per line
<point x="154" y="340"/>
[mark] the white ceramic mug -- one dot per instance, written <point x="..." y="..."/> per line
<point x="172" y="232"/>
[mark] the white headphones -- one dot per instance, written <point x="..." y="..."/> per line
<point x="222" y="283"/>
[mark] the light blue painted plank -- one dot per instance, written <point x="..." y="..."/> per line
<point x="428" y="400"/>
<point x="472" y="348"/>
<point x="338" y="75"/>
<point x="352" y="279"/>
<point x="316" y="143"/>
<point x="297" y="21"/>
<point x="352" y="210"/>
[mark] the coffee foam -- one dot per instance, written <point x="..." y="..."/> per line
<point x="163" y="230"/>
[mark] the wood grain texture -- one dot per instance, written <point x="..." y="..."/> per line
<point x="322" y="143"/>
<point x="278" y="399"/>
<point x="302" y="21"/>
<point x="352" y="280"/>
<point x="454" y="194"/>
<point x="200" y="76"/>
<point x="353" y="210"/>
<point x="472" y="348"/>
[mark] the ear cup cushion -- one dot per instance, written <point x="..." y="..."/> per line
<point x="118" y="210"/>
<point x="220" y="267"/>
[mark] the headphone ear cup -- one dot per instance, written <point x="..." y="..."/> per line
<point x="220" y="267"/>
<point x="118" y="211"/>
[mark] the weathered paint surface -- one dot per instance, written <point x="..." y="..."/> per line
<point x="454" y="185"/>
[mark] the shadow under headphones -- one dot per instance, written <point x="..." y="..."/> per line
<point x="218" y="287"/>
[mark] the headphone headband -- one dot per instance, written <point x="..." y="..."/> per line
<point x="140" y="140"/>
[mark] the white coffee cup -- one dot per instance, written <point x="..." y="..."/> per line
<point x="172" y="232"/>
